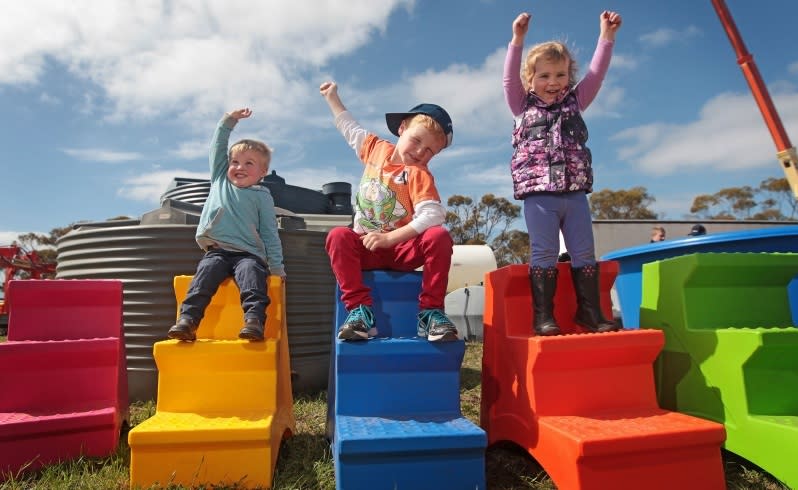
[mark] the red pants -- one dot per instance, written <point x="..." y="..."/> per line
<point x="348" y="257"/>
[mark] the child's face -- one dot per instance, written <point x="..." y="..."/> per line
<point x="417" y="145"/>
<point x="551" y="79"/>
<point x="246" y="168"/>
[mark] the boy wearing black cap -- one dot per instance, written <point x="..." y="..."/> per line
<point x="398" y="217"/>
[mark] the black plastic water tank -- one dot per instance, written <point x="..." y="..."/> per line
<point x="297" y="199"/>
<point x="334" y="199"/>
<point x="340" y="196"/>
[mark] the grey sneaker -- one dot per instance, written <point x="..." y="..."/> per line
<point x="359" y="324"/>
<point x="185" y="329"/>
<point x="436" y="326"/>
<point x="252" y="330"/>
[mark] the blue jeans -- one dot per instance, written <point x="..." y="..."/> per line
<point x="548" y="213"/>
<point x="248" y="271"/>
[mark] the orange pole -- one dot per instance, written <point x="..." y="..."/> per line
<point x="786" y="153"/>
<point x="752" y="76"/>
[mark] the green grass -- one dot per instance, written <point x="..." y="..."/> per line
<point x="305" y="461"/>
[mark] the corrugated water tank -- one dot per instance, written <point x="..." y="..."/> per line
<point x="146" y="257"/>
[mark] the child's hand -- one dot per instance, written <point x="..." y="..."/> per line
<point x="375" y="240"/>
<point x="521" y="27"/>
<point x="330" y="92"/>
<point x="609" y="22"/>
<point x="328" y="89"/>
<point x="239" y="114"/>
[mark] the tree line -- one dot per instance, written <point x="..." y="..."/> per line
<point x="490" y="221"/>
<point x="493" y="221"/>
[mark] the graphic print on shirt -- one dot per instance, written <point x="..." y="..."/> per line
<point x="378" y="205"/>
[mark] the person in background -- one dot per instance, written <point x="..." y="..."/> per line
<point x="398" y="217"/>
<point x="657" y="234"/>
<point x="551" y="165"/>
<point x="237" y="231"/>
<point x="697" y="230"/>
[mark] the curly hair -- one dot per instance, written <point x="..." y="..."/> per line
<point x="550" y="51"/>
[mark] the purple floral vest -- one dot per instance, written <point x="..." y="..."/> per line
<point x="549" y="148"/>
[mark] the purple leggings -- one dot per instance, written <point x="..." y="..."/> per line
<point x="548" y="213"/>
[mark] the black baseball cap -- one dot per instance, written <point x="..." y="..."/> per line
<point x="697" y="230"/>
<point x="436" y="112"/>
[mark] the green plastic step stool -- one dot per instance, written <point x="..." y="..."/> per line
<point x="731" y="349"/>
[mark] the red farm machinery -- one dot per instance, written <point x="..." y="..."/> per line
<point x="18" y="263"/>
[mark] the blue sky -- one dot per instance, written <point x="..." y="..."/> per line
<point x="106" y="101"/>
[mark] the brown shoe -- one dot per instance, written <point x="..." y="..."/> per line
<point x="185" y="330"/>
<point x="253" y="330"/>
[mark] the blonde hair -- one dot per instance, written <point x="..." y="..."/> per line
<point x="427" y="122"/>
<point x="255" y="145"/>
<point x="553" y="51"/>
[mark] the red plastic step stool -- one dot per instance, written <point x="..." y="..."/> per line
<point x="584" y="405"/>
<point x="62" y="373"/>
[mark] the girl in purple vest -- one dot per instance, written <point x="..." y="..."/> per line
<point x="551" y="166"/>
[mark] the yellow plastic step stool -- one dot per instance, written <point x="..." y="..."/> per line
<point x="224" y="404"/>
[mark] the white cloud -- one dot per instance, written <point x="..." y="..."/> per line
<point x="609" y="98"/>
<point x="6" y="237"/>
<point x="459" y="153"/>
<point x="150" y="186"/>
<point x="729" y="134"/>
<point x="478" y="173"/>
<point x="665" y="36"/>
<point x="102" y="155"/>
<point x="472" y="95"/>
<point x="48" y="99"/>
<point x="160" y="56"/>
<point x="676" y="205"/>
<point x="793" y="68"/>
<point x="189" y="150"/>
<point x="623" y="62"/>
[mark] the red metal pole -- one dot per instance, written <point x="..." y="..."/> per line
<point x="786" y="153"/>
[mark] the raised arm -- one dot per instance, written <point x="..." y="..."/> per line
<point x="520" y="28"/>
<point x="514" y="92"/>
<point x="350" y="129"/>
<point x="609" y="23"/>
<point x="221" y="137"/>
<point x="329" y="90"/>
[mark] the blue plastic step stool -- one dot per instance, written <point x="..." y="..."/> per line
<point x="393" y="414"/>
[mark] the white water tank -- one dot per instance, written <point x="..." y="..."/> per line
<point x="469" y="265"/>
<point x="465" y="308"/>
